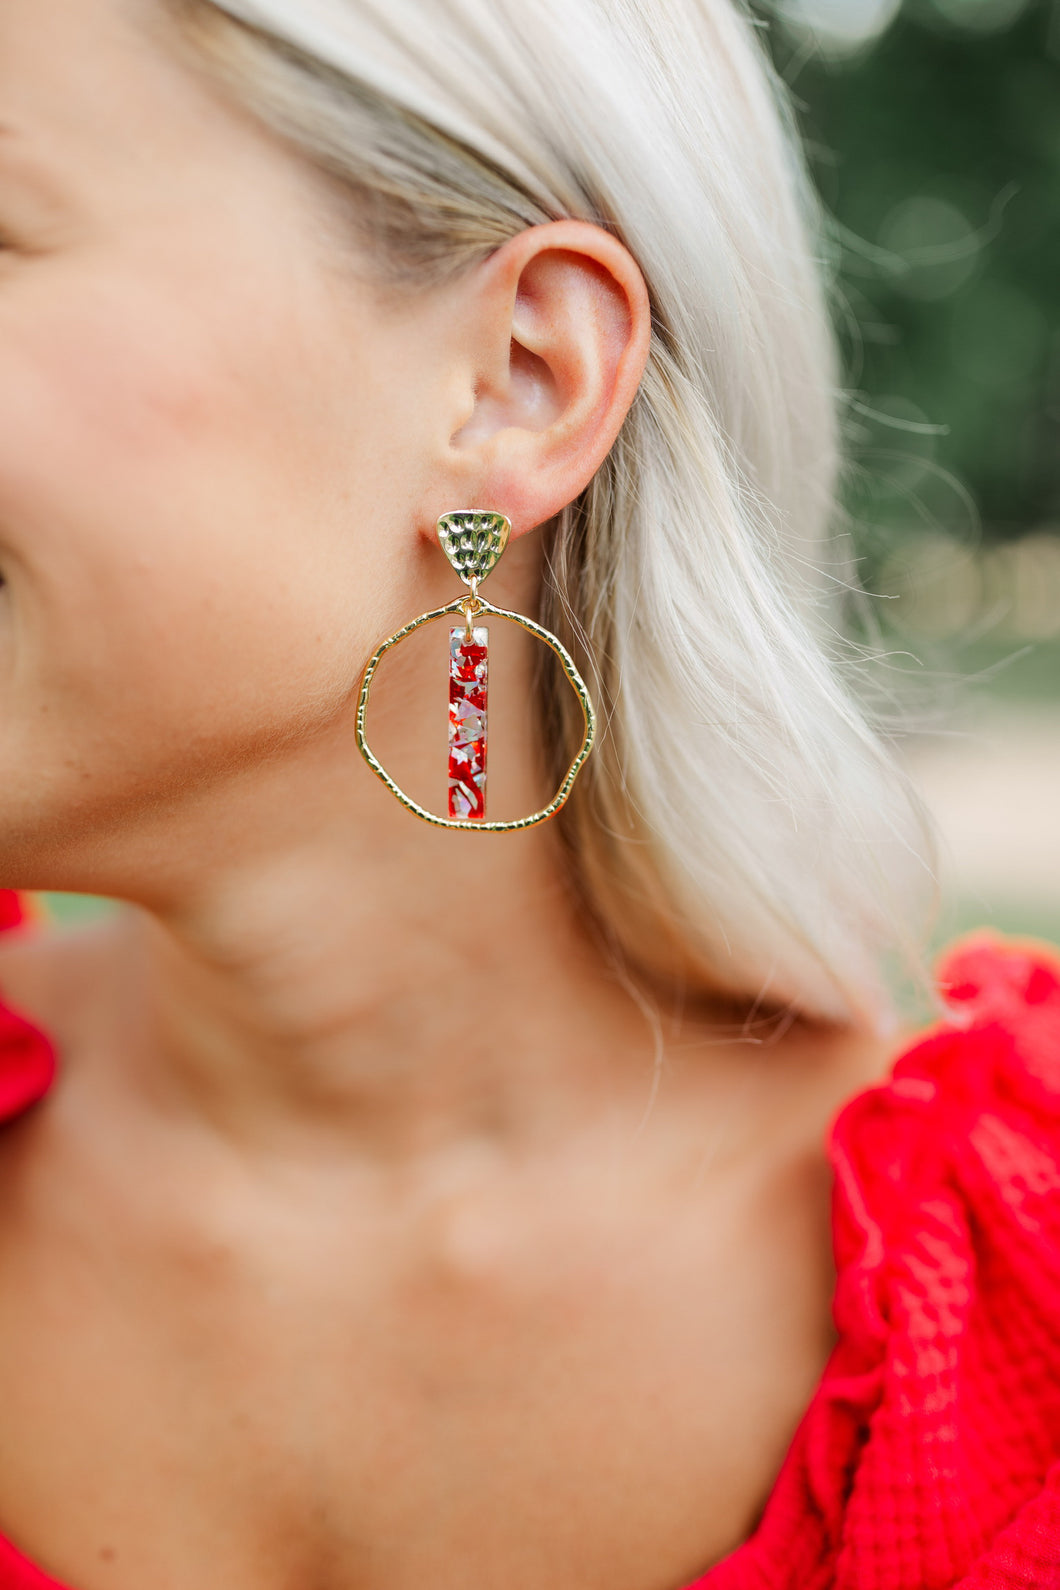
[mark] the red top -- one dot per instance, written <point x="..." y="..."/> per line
<point x="929" y="1455"/>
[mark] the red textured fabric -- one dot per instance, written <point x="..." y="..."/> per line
<point x="929" y="1456"/>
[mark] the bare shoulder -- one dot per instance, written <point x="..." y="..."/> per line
<point x="56" y="976"/>
<point x="798" y="1077"/>
<point x="832" y="1066"/>
<point x="65" y="983"/>
<point x="856" y="1059"/>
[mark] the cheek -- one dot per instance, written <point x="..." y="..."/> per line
<point x="179" y="516"/>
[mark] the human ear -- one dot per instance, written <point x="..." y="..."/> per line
<point x="560" y="324"/>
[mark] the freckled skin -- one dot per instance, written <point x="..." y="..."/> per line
<point x="361" y="1242"/>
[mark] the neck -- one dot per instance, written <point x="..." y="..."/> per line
<point x="368" y="975"/>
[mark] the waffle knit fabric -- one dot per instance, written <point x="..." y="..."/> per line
<point x="929" y="1456"/>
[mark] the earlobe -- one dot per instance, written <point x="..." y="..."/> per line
<point x="565" y="329"/>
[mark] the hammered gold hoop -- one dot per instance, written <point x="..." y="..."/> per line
<point x="473" y="541"/>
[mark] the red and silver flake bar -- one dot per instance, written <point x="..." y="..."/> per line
<point x="468" y="663"/>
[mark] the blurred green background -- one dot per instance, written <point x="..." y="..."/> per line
<point x="933" y="128"/>
<point x="934" y="134"/>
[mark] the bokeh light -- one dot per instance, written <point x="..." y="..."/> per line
<point x="934" y="246"/>
<point x="841" y="25"/>
<point x="980" y="16"/>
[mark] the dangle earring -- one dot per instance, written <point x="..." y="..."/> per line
<point x="473" y="541"/>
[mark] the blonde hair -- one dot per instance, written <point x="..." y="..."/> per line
<point x="740" y="827"/>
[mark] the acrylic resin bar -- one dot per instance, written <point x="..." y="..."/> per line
<point x="468" y="660"/>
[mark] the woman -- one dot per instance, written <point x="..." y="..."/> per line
<point x="413" y="1205"/>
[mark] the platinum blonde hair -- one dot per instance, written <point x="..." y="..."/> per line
<point x="740" y="827"/>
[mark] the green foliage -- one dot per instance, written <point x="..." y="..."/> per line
<point x="937" y="150"/>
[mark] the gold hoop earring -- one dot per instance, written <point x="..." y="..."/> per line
<point x="473" y="541"/>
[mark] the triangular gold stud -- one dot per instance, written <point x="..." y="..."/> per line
<point x="473" y="541"/>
